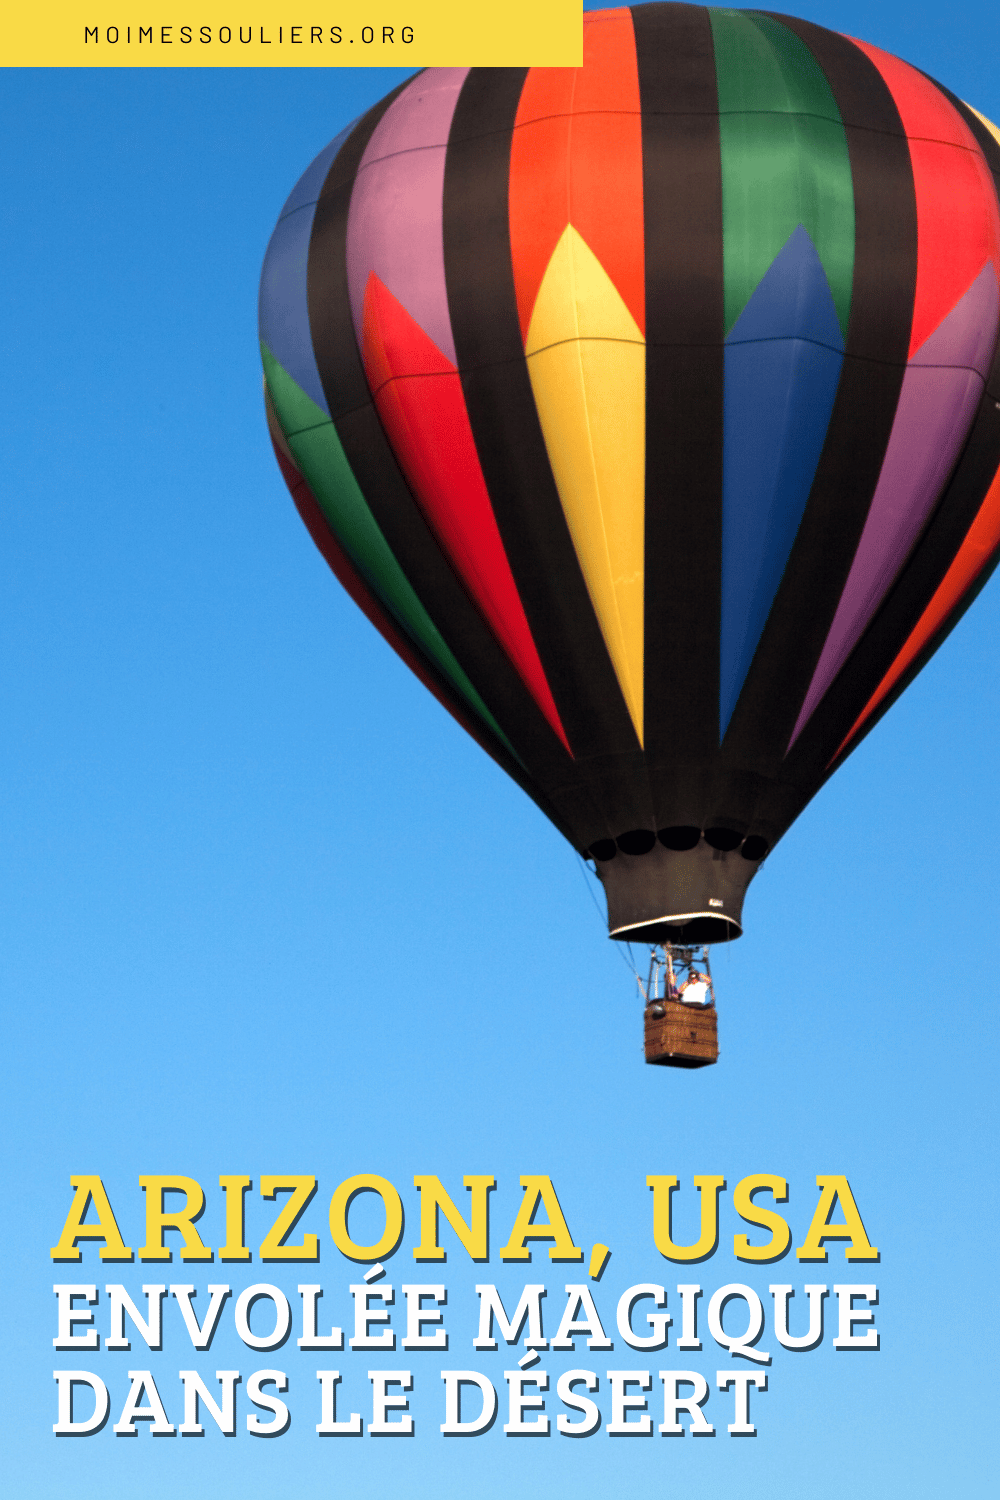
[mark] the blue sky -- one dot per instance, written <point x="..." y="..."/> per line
<point x="265" y="909"/>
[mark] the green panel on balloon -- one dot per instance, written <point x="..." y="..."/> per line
<point x="319" y="455"/>
<point x="785" y="160"/>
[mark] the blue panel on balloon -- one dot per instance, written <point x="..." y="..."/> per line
<point x="783" y="362"/>
<point x="283" y="306"/>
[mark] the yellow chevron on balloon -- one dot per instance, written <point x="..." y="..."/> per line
<point x="587" y="361"/>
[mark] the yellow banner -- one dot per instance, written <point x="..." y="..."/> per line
<point x="289" y="33"/>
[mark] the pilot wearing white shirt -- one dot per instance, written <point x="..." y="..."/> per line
<point x="696" y="990"/>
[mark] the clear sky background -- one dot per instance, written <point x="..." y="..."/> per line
<point x="266" y="909"/>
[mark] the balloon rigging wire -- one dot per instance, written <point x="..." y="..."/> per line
<point x="628" y="962"/>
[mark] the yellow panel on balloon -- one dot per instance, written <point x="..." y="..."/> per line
<point x="587" y="362"/>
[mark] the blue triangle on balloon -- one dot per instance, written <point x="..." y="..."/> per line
<point x="782" y="367"/>
<point x="792" y="299"/>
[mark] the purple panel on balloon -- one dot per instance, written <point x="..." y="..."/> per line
<point x="394" y="227"/>
<point x="941" y="391"/>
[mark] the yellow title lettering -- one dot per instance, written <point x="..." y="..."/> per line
<point x="90" y="1190"/>
<point x="302" y="1190"/>
<point x="754" y="1213"/>
<point x="160" y="1219"/>
<point x="235" y="1190"/>
<point x="539" y="1190"/>
<point x="475" y="1235"/>
<point x="832" y="1190"/>
<point x="340" y="1204"/>
<point x="704" y="1246"/>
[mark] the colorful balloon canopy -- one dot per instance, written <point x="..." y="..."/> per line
<point x="651" y="411"/>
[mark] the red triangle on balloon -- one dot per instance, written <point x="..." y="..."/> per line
<point x="418" y="395"/>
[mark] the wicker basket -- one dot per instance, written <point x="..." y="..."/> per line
<point x="684" y="1036"/>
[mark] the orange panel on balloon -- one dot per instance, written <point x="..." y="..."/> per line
<point x="418" y="395"/>
<point x="576" y="158"/>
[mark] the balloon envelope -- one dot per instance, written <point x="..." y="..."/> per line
<point x="651" y="411"/>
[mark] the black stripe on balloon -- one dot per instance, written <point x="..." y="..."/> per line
<point x="885" y="265"/>
<point x="925" y="568"/>
<point x="512" y="452"/>
<point x="330" y="324"/>
<point x="397" y="514"/>
<point x="682" y="207"/>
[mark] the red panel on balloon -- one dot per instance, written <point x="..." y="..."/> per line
<point x="958" y="226"/>
<point x="418" y="395"/>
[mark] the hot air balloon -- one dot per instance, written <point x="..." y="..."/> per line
<point x="651" y="411"/>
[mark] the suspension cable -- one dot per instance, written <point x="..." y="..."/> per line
<point x="628" y="962"/>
